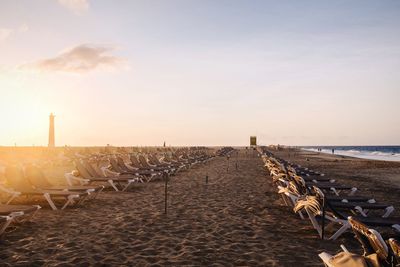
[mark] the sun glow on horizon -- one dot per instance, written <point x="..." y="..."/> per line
<point x="23" y="112"/>
<point x="134" y="73"/>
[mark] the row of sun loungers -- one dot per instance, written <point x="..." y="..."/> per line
<point x="335" y="207"/>
<point x="377" y="250"/>
<point x="92" y="175"/>
<point x="224" y="151"/>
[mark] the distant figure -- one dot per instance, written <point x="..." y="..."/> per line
<point x="164" y="144"/>
<point x="333" y="151"/>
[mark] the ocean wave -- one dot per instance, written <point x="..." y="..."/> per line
<point x="362" y="153"/>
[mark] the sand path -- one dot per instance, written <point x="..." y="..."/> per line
<point x="236" y="219"/>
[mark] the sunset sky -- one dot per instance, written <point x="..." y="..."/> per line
<point x="200" y="72"/>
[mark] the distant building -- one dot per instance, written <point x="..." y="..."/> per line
<point x="253" y="140"/>
<point x="52" y="141"/>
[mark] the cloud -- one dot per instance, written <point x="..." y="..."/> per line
<point x="23" y="28"/>
<point x="76" y="6"/>
<point x="80" y="59"/>
<point x="5" y="33"/>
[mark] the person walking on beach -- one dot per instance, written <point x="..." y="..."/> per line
<point x="333" y="151"/>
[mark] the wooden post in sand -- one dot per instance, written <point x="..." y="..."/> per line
<point x="236" y="163"/>
<point x="323" y="219"/>
<point x="227" y="157"/>
<point x="206" y="178"/>
<point x="166" y="192"/>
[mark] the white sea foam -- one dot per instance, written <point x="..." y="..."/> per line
<point x="375" y="155"/>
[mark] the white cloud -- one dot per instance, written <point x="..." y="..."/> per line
<point x="23" y="28"/>
<point x="80" y="59"/>
<point x="5" y="33"/>
<point x="76" y="6"/>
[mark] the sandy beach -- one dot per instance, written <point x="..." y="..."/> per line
<point x="237" y="219"/>
<point x="199" y="133"/>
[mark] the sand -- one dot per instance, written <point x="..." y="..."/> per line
<point x="237" y="219"/>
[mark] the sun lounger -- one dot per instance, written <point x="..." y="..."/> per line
<point x="4" y="223"/>
<point x="105" y="172"/>
<point x="347" y="259"/>
<point x="21" y="186"/>
<point x="86" y="177"/>
<point x="119" y="166"/>
<point x="19" y="212"/>
<point x="146" y="165"/>
<point x="177" y="160"/>
<point x="336" y="188"/>
<point x="40" y="181"/>
<point x="291" y="193"/>
<point x="349" y="198"/>
<point x="314" y="209"/>
<point x="136" y="165"/>
<point x="12" y="194"/>
<point x="224" y="151"/>
<point x="155" y="161"/>
<point x="175" y="164"/>
<point x="363" y="207"/>
<point x="394" y="251"/>
<point x="371" y="241"/>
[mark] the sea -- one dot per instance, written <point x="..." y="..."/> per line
<point x="389" y="153"/>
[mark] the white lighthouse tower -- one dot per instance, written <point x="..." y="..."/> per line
<point x="52" y="141"/>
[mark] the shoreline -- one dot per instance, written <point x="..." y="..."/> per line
<point x="380" y="156"/>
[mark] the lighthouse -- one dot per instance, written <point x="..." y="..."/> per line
<point x="52" y="141"/>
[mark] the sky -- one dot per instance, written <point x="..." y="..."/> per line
<point x="188" y="72"/>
